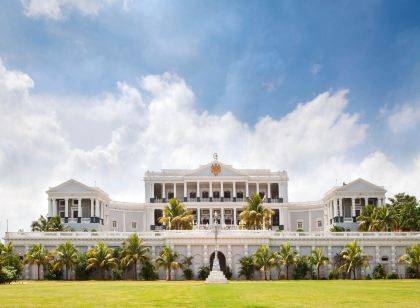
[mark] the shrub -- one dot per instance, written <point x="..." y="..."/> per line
<point x="148" y="271"/>
<point x="203" y="272"/>
<point x="8" y="274"/>
<point x="300" y="230"/>
<point x="188" y="273"/>
<point x="368" y="277"/>
<point x="228" y="273"/>
<point x="117" y="274"/>
<point x="379" y="272"/>
<point x="392" y="275"/>
<point x="334" y="274"/>
<point x="80" y="269"/>
<point x="302" y="268"/>
<point x="411" y="272"/>
<point x="54" y="273"/>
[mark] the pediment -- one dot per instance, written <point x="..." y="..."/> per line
<point x="215" y="169"/>
<point x="361" y="185"/>
<point x="71" y="186"/>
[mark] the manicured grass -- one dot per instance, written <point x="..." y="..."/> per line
<point x="397" y="293"/>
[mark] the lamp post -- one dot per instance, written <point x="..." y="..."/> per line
<point x="216" y="264"/>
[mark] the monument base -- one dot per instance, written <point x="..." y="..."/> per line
<point x="216" y="277"/>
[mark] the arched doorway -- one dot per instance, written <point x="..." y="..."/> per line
<point x="222" y="261"/>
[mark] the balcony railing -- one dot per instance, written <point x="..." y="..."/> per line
<point x="214" y="199"/>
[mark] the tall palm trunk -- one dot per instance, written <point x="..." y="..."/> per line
<point x="135" y="270"/>
<point x="287" y="272"/>
<point x="67" y="273"/>
<point x="38" y="271"/>
<point x="317" y="272"/>
<point x="168" y="273"/>
<point x="265" y="273"/>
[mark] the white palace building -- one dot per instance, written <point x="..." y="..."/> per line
<point x="218" y="192"/>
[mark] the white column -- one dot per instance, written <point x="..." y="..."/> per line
<point x="175" y="190"/>
<point x="393" y="267"/>
<point x="258" y="188"/>
<point x="50" y="207"/>
<point x="234" y="216"/>
<point x="222" y="219"/>
<point x="66" y="208"/>
<point x="247" y="189"/>
<point x="97" y="207"/>
<point x="79" y="208"/>
<point x="245" y="250"/>
<point x="269" y="190"/>
<point x="221" y="190"/>
<point x="91" y="207"/>
<point x="152" y="190"/>
<point x="211" y="189"/>
<point x="211" y="216"/>
<point x="198" y="189"/>
<point x="341" y="207"/>
<point x="366" y="201"/>
<point x="163" y="191"/>
<point x="54" y="208"/>
<point x="353" y="207"/>
<point x="185" y="189"/>
<point x="309" y="221"/>
<point x="280" y="191"/>
<point x="198" y="216"/>
<point x="234" y="190"/>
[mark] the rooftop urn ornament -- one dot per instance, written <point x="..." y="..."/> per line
<point x="215" y="168"/>
<point x="216" y="275"/>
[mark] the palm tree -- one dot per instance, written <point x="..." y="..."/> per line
<point x="384" y="219"/>
<point x="37" y="254"/>
<point x="101" y="258"/>
<point x="168" y="259"/>
<point x="176" y="216"/>
<point x="412" y="258"/>
<point x="286" y="257"/>
<point x="247" y="267"/>
<point x="263" y="259"/>
<point x="255" y="215"/>
<point x="186" y="265"/>
<point x="353" y="258"/>
<point x="55" y="224"/>
<point x="40" y="225"/>
<point x="133" y="252"/>
<point x="366" y="218"/>
<point x="67" y="255"/>
<point x="318" y="259"/>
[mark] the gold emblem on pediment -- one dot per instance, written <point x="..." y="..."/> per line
<point x="216" y="169"/>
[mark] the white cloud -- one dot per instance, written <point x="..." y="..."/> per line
<point x="404" y="118"/>
<point x="53" y="9"/>
<point x="156" y="125"/>
<point x="316" y="68"/>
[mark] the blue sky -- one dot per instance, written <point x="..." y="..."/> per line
<point x="250" y="59"/>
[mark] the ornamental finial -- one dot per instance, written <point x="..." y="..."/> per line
<point x="215" y="157"/>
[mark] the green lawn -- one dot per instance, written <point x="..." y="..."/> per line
<point x="402" y="293"/>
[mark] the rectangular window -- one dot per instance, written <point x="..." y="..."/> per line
<point x="205" y="194"/>
<point x="170" y="195"/>
<point x="319" y="223"/>
<point x="133" y="225"/>
<point x="300" y="224"/>
<point x="114" y="223"/>
<point x="240" y="194"/>
<point x="216" y="194"/>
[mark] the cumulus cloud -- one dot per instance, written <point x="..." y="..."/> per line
<point x="404" y="118"/>
<point x="155" y="124"/>
<point x="53" y="9"/>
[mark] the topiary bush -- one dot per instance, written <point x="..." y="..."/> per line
<point x="368" y="277"/>
<point x="188" y="274"/>
<point x="379" y="272"/>
<point x="392" y="275"/>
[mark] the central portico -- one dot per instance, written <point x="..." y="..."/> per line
<point x="215" y="189"/>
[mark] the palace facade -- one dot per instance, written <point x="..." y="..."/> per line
<point x="218" y="192"/>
